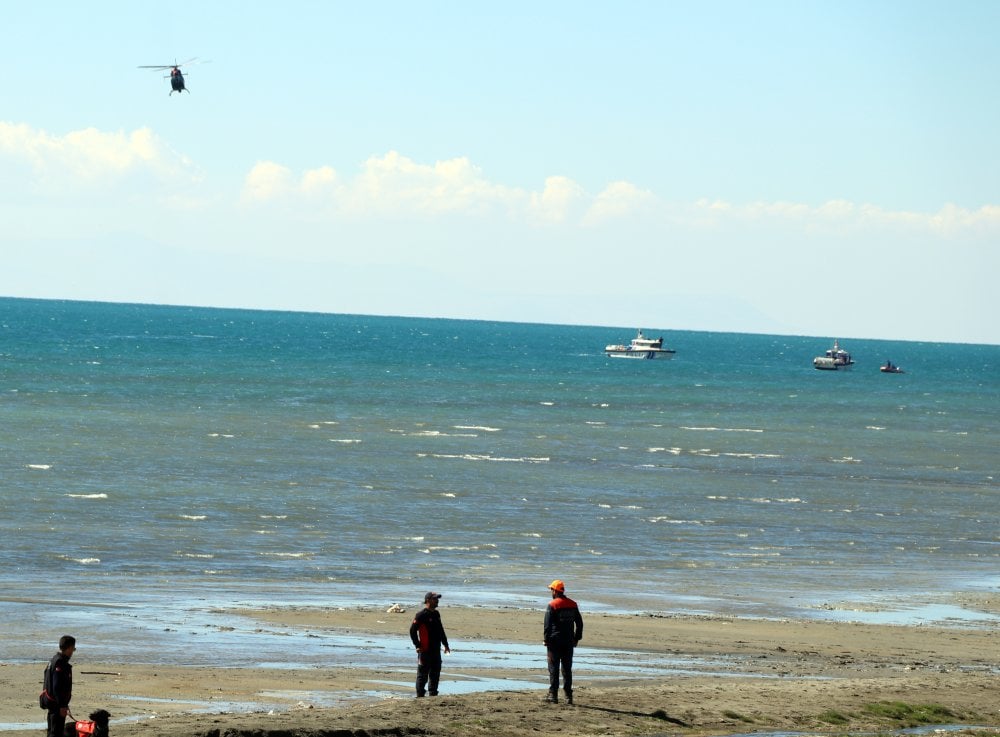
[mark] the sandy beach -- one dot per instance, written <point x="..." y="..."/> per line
<point x="802" y="676"/>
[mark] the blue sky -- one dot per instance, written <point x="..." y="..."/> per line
<point x="820" y="168"/>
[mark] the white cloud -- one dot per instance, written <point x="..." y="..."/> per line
<point x="319" y="180"/>
<point x="391" y="185"/>
<point x="619" y="200"/>
<point x="396" y="186"/>
<point x="90" y="157"/>
<point x="557" y="201"/>
<point x="841" y="214"/>
<point x="268" y="181"/>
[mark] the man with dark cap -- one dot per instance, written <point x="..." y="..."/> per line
<point x="563" y="628"/>
<point x="427" y="634"/>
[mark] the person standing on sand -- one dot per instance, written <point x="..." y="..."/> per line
<point x="427" y="634"/>
<point x="563" y="628"/>
<point x="59" y="685"/>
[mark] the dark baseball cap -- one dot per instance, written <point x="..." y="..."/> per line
<point x="431" y="595"/>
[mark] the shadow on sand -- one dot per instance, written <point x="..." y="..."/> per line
<point x="657" y="714"/>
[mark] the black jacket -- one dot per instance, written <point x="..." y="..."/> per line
<point x="427" y="632"/>
<point x="60" y="685"/>
<point x="563" y="626"/>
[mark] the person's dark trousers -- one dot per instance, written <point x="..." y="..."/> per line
<point x="57" y="723"/>
<point x="560" y="658"/>
<point x="428" y="673"/>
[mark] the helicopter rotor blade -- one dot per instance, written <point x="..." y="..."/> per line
<point x="193" y="60"/>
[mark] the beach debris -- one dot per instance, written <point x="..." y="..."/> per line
<point x="395" y="609"/>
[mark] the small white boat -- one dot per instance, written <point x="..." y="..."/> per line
<point x="640" y="347"/>
<point x="833" y="359"/>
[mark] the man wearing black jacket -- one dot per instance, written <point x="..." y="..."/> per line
<point x="59" y="685"/>
<point x="427" y="634"/>
<point x="563" y="628"/>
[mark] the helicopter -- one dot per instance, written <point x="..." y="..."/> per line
<point x="176" y="78"/>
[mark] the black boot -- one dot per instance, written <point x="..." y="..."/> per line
<point x="552" y="697"/>
<point x="569" y="696"/>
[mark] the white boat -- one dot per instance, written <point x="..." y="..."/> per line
<point x="833" y="359"/>
<point x="640" y="347"/>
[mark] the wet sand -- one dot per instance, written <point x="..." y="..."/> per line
<point x="774" y="676"/>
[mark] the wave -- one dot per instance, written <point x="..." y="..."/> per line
<point x="87" y="496"/>
<point x="39" y="466"/>
<point x="481" y="428"/>
<point x="672" y="521"/>
<point x="721" y="429"/>
<point x="439" y="434"/>
<point x="193" y="517"/>
<point x="345" y="441"/>
<point x="483" y="457"/>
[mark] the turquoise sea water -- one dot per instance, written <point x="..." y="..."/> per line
<point x="169" y="459"/>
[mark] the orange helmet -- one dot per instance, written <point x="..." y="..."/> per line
<point x="558" y="585"/>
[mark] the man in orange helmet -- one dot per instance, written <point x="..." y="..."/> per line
<point x="563" y="628"/>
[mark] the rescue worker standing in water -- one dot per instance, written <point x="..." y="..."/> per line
<point x="563" y="628"/>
